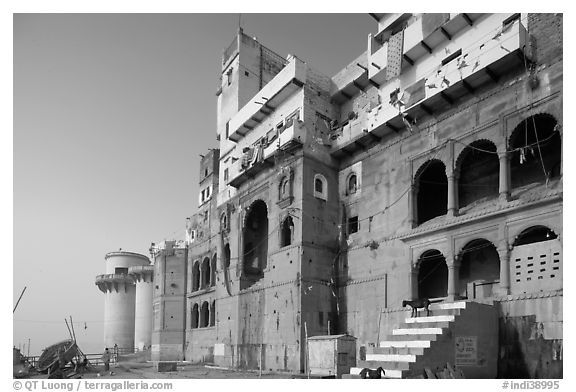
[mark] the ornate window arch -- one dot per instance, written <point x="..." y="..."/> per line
<point x="320" y="187"/>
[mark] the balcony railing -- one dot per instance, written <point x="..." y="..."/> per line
<point x="261" y="156"/>
<point x="283" y="85"/>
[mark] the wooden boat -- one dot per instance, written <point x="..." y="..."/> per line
<point x="49" y="356"/>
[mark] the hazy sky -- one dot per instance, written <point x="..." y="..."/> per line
<point x="111" y="113"/>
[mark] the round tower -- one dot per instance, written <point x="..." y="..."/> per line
<point x="120" y="298"/>
<point x="143" y="277"/>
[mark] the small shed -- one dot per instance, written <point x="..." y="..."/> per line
<point x="331" y="355"/>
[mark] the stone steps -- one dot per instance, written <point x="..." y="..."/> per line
<point x="401" y="350"/>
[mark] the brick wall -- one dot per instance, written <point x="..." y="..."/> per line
<point x="546" y="31"/>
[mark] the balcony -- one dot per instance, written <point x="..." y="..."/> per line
<point x="431" y="31"/>
<point x="282" y="86"/>
<point x="349" y="81"/>
<point x="261" y="158"/>
<point x="424" y="92"/>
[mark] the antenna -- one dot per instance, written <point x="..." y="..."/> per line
<point x="239" y="21"/>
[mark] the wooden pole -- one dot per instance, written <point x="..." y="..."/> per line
<point x="306" y="352"/>
<point x="378" y="335"/>
<point x="72" y="326"/>
<point x="19" y="298"/>
<point x="261" y="345"/>
<point x="69" y="331"/>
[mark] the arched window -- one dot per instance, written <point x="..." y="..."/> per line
<point x="224" y="222"/>
<point x="213" y="313"/>
<point x="536" y="148"/>
<point x="255" y="243"/>
<point x="479" y="170"/>
<point x="213" y="271"/>
<point x="287" y="232"/>
<point x="204" y="315"/>
<point x="196" y="276"/>
<point x="284" y="188"/>
<point x="194" y="316"/>
<point x="431" y="191"/>
<point x="320" y="187"/>
<point x="227" y="255"/>
<point x="352" y="184"/>
<point x="206" y="273"/>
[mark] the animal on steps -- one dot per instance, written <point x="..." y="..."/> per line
<point x="416" y="304"/>
<point x="369" y="373"/>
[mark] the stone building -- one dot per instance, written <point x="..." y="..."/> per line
<point x="429" y="167"/>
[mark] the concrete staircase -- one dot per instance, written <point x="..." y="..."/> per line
<point x="429" y="341"/>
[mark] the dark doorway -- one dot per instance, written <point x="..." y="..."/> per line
<point x="479" y="169"/>
<point x="432" y="275"/>
<point x="431" y="190"/>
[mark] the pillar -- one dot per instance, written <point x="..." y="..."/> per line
<point x="412" y="206"/>
<point x="504" y="183"/>
<point x="452" y="196"/>
<point x="453" y="277"/>
<point x="504" y="255"/>
<point x="413" y="281"/>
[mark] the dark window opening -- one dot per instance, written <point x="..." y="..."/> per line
<point x="227" y="129"/>
<point x="318" y="185"/>
<point x="479" y="269"/>
<point x="196" y="276"/>
<point x="205" y="273"/>
<point x="353" y="224"/>
<point x="287" y="234"/>
<point x="120" y="270"/>
<point x="431" y="191"/>
<point x="536" y="151"/>
<point x="255" y="243"/>
<point x="479" y="173"/>
<point x="510" y="19"/>
<point x="535" y="234"/>
<point x="213" y="313"/>
<point x="352" y="184"/>
<point x="226" y="255"/>
<point x="432" y="275"/>
<point x="204" y="315"/>
<point x="226" y="174"/>
<point x="194" y="317"/>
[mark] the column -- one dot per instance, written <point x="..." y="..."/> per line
<point x="452" y="196"/>
<point x="453" y="272"/>
<point x="504" y="184"/>
<point x="504" y="255"/>
<point x="411" y="206"/>
<point x="413" y="281"/>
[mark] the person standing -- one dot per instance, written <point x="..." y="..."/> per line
<point x="106" y="359"/>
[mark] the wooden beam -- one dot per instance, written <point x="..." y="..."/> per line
<point x="408" y="59"/>
<point x="376" y="18"/>
<point x="492" y="75"/>
<point x="347" y="96"/>
<point x="363" y="67"/>
<point x="443" y="31"/>
<point x="425" y="46"/>
<point x="468" y="87"/>
<point x="373" y="83"/>
<point x="355" y="83"/>
<point x="446" y="97"/>
<point x="256" y="120"/>
<point x="374" y="137"/>
<point x="376" y="65"/>
<point x="468" y="20"/>
<point x="391" y="127"/>
<point x="426" y="109"/>
<point x="360" y="145"/>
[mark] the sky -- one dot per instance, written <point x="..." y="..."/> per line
<point x="110" y="115"/>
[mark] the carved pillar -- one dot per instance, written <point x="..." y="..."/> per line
<point x="504" y="184"/>
<point x="504" y="255"/>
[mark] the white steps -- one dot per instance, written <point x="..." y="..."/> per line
<point x="405" y="343"/>
<point x="417" y="331"/>
<point x="431" y="319"/>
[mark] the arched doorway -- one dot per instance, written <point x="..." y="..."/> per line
<point x="255" y="243"/>
<point x="479" y="169"/>
<point x="479" y="273"/>
<point x="536" y="148"/>
<point x="432" y="275"/>
<point x="431" y="191"/>
<point x="536" y="261"/>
